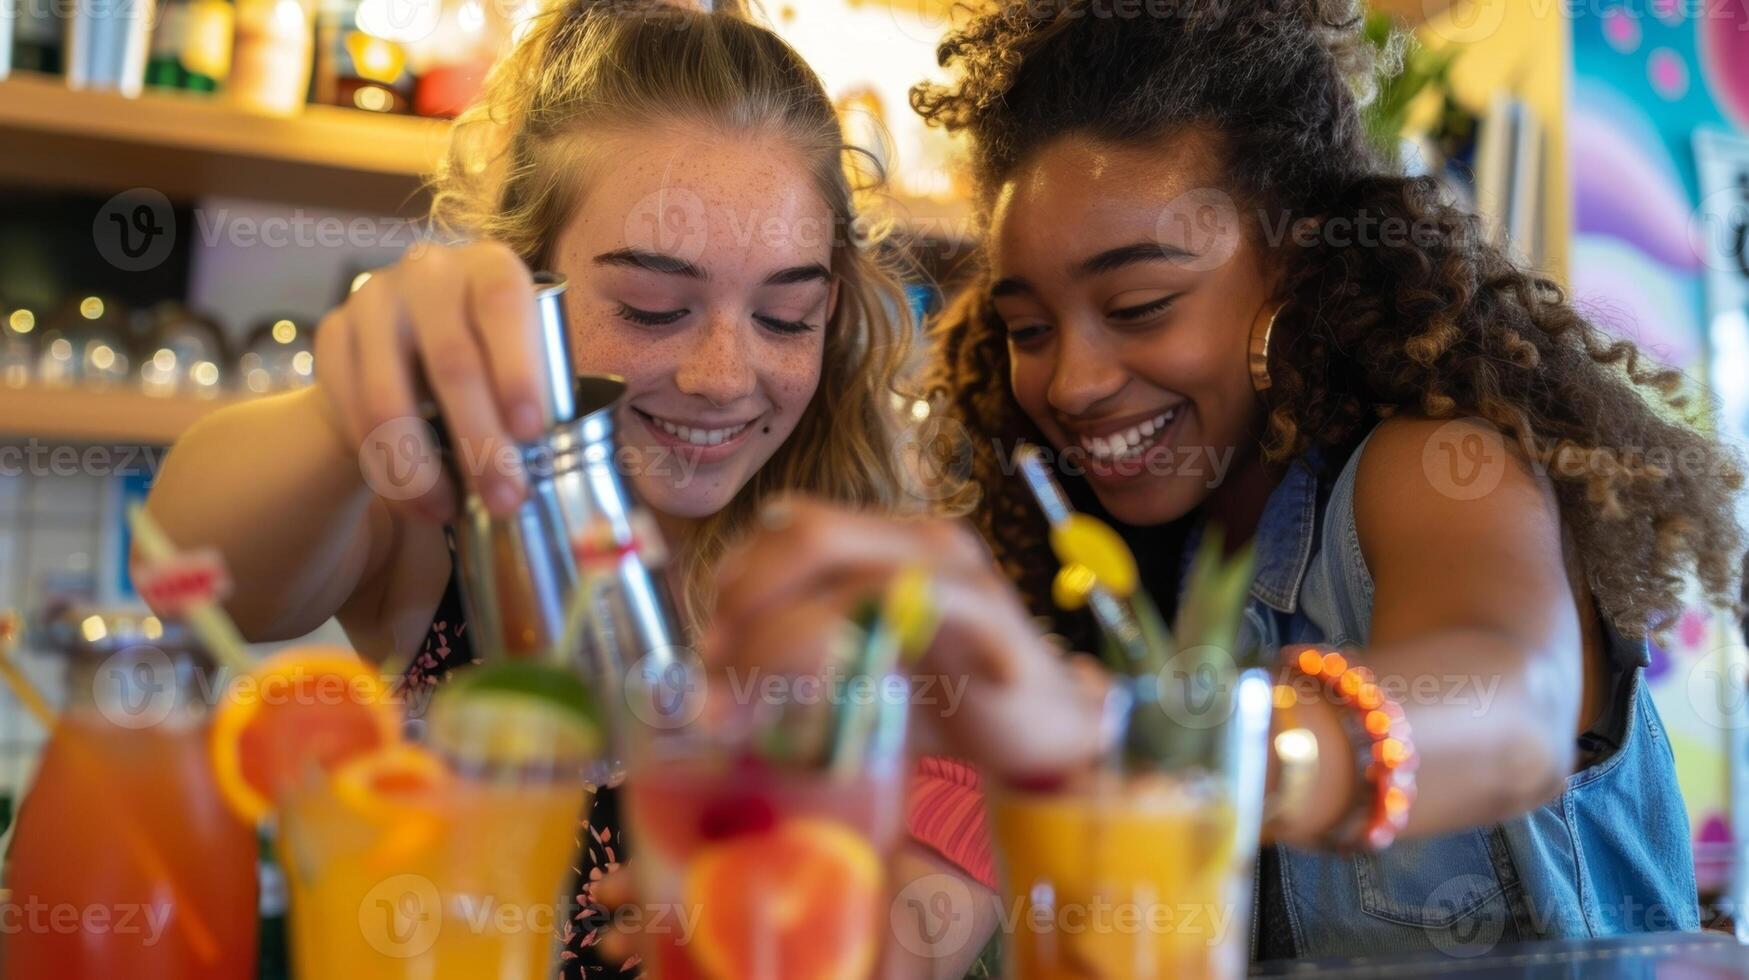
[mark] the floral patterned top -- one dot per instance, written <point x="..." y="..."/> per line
<point x="600" y="845"/>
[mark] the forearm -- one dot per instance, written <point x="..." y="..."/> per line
<point x="1491" y="721"/>
<point x="941" y="918"/>
<point x="269" y="485"/>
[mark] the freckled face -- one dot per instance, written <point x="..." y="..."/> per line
<point x="1128" y="290"/>
<point x="700" y="266"/>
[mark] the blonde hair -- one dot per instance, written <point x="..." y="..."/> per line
<point x="592" y="67"/>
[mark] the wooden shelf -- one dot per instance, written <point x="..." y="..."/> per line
<point x="82" y="415"/>
<point x="188" y="145"/>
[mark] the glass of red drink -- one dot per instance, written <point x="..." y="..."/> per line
<point x="764" y="831"/>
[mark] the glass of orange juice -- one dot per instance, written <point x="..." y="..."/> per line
<point x="1143" y="867"/>
<point x="449" y="860"/>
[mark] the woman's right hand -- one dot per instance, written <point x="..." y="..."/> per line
<point x="455" y="324"/>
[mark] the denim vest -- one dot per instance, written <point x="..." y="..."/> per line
<point x="1609" y="856"/>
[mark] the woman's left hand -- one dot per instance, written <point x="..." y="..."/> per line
<point x="993" y="689"/>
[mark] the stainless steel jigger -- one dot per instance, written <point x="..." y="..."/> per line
<point x="519" y="573"/>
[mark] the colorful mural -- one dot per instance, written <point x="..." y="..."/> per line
<point x="1648" y="75"/>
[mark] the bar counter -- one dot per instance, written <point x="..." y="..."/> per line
<point x="1662" y="955"/>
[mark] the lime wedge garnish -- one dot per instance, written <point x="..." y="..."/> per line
<point x="518" y="713"/>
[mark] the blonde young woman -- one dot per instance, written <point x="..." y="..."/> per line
<point x="686" y="172"/>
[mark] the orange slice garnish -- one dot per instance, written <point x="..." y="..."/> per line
<point x="304" y="710"/>
<point x="799" y="901"/>
<point x="400" y="790"/>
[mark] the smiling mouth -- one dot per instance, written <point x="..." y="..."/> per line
<point x="696" y="435"/>
<point x="1131" y="443"/>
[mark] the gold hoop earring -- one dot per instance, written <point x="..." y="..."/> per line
<point x="1262" y="331"/>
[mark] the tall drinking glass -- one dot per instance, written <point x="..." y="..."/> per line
<point x="765" y="830"/>
<point x="442" y="863"/>
<point x="1142" y="868"/>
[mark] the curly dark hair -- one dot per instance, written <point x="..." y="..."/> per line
<point x="1439" y="323"/>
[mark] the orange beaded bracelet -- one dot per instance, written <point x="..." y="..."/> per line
<point x="1385" y="757"/>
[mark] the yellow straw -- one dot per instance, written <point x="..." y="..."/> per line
<point x="209" y="622"/>
<point x="22" y="688"/>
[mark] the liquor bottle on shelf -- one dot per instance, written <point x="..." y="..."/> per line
<point x="37" y="33"/>
<point x="270" y="64"/>
<point x="191" y="49"/>
<point x="451" y="61"/>
<point x="360" y="63"/>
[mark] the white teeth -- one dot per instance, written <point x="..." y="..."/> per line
<point x="1131" y="441"/>
<point x="698" y="437"/>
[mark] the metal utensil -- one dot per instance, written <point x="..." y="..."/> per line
<point x="521" y="572"/>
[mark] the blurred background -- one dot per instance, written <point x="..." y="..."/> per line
<point x="186" y="186"/>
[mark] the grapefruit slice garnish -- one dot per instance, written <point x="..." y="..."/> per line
<point x="301" y="710"/>
<point x="796" y="902"/>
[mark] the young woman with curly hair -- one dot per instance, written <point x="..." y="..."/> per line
<point x="1211" y="301"/>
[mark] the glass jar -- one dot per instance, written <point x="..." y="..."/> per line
<point x="125" y="860"/>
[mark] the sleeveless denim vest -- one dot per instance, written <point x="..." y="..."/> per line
<point x="1609" y="856"/>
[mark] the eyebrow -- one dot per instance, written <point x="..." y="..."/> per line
<point x="1109" y="260"/>
<point x="637" y="258"/>
<point x="674" y="265"/>
<point x="813" y="272"/>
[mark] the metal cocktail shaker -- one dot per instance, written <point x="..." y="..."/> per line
<point x="519" y="573"/>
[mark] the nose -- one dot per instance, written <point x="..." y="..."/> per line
<point x="718" y="367"/>
<point x="1086" y="371"/>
